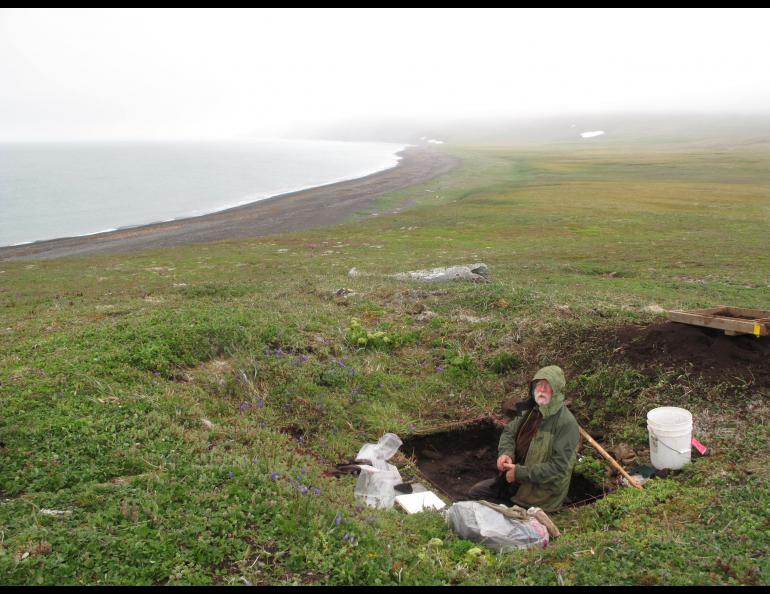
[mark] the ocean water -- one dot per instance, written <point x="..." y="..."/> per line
<point x="70" y="189"/>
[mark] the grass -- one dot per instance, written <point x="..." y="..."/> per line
<point x="179" y="406"/>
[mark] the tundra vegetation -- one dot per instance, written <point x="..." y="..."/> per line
<point x="167" y="415"/>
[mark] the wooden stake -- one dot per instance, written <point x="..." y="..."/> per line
<point x="610" y="459"/>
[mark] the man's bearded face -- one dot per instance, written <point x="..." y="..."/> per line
<point x="543" y="392"/>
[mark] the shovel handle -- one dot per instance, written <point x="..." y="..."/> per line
<point x="610" y="459"/>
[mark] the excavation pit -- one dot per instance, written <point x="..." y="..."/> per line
<point x="453" y="461"/>
<point x="706" y="352"/>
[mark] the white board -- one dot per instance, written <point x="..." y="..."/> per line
<point x="417" y="502"/>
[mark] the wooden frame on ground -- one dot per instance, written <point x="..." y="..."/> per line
<point x="733" y="320"/>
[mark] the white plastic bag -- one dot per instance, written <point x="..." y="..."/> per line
<point x="378" y="477"/>
<point x="375" y="486"/>
<point x="376" y="454"/>
<point x="474" y="521"/>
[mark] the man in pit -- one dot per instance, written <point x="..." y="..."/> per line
<point x="537" y="449"/>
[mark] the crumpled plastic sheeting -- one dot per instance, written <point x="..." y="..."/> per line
<point x="476" y="522"/>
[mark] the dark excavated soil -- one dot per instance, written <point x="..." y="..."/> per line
<point x="709" y="353"/>
<point x="455" y="460"/>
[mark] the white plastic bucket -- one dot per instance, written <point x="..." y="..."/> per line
<point x="670" y="430"/>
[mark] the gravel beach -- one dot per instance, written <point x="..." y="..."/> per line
<point x="314" y="207"/>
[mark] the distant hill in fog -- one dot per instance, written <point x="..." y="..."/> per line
<point x="658" y="129"/>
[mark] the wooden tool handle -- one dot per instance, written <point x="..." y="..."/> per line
<point x="609" y="458"/>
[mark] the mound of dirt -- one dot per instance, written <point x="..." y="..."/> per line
<point x="709" y="353"/>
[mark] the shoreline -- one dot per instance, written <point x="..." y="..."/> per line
<point x="201" y="212"/>
<point x="294" y="211"/>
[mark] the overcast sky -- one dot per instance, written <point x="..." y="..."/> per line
<point x="183" y="74"/>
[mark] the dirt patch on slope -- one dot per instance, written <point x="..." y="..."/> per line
<point x="709" y="353"/>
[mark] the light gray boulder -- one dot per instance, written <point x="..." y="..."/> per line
<point x="478" y="273"/>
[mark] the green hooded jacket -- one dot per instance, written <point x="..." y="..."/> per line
<point x="544" y="477"/>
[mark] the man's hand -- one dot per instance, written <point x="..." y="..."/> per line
<point x="503" y="462"/>
<point x="510" y="473"/>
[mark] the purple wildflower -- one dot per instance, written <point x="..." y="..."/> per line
<point x="260" y="403"/>
<point x="302" y="471"/>
<point x="440" y="368"/>
<point x="341" y="363"/>
<point x="316" y="490"/>
<point x="275" y="476"/>
<point x="245" y="406"/>
<point x="347" y="536"/>
<point x="231" y="474"/>
<point x="337" y="519"/>
<point x="303" y="489"/>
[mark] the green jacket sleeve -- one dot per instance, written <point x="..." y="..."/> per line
<point x="564" y="448"/>
<point x="507" y="445"/>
